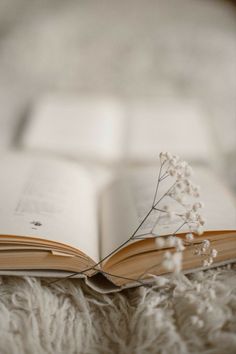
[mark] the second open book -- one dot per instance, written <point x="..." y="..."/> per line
<point x="54" y="221"/>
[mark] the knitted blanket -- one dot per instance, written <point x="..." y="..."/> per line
<point x="185" y="314"/>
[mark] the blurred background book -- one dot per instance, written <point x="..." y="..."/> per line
<point x="109" y="131"/>
<point x="113" y="80"/>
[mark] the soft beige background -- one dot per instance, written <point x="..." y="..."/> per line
<point x="132" y="49"/>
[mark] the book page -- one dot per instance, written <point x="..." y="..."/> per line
<point x="50" y="199"/>
<point x="129" y="199"/>
<point x="85" y="128"/>
<point x="168" y="124"/>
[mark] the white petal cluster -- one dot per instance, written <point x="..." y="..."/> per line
<point x="160" y="242"/>
<point x="214" y="253"/>
<point x="197" y="206"/>
<point x="194" y="219"/>
<point x="205" y="245"/>
<point x="189" y="237"/>
<point x="172" y="262"/>
<point x="207" y="262"/>
<point x="176" y="167"/>
<point x="188" y="213"/>
<point x="205" y="250"/>
<point x="184" y="188"/>
<point x="170" y="242"/>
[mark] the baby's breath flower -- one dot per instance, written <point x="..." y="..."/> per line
<point x="172" y="261"/>
<point x="179" y="245"/>
<point x="197" y="206"/>
<point x="160" y="242"/>
<point x="206" y="244"/>
<point x="199" y="230"/>
<point x="163" y="157"/>
<point x="207" y="262"/>
<point x="189" y="237"/>
<point x="183" y="190"/>
<point x="170" y="241"/>
<point x="186" y="181"/>
<point x="201" y="220"/>
<point x="214" y="253"/>
<point x="210" y="260"/>
<point x="172" y="172"/>
<point x="190" y="216"/>
<point x="198" y="252"/>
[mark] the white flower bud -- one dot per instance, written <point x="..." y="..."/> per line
<point x="199" y="231"/>
<point x="187" y="182"/>
<point x="179" y="245"/>
<point x="206" y="243"/>
<point x="210" y="260"/>
<point x="172" y="172"/>
<point x="162" y="157"/>
<point x="214" y="253"/>
<point x="177" y="260"/>
<point x="201" y="220"/>
<point x="190" y="215"/>
<point x="197" y="206"/>
<point x="189" y="237"/>
<point x="171" y="241"/>
<point x="172" y="262"/>
<point x="159" y="242"/>
<point x="197" y="252"/>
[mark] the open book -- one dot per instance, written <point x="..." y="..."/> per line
<point x="53" y="222"/>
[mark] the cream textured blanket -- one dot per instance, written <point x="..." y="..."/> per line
<point x="194" y="314"/>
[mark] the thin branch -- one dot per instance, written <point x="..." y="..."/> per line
<point x="164" y="176"/>
<point x="157" y="184"/>
<point x="165" y="194"/>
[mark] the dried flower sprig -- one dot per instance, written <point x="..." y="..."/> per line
<point x="182" y="188"/>
<point x="183" y="192"/>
